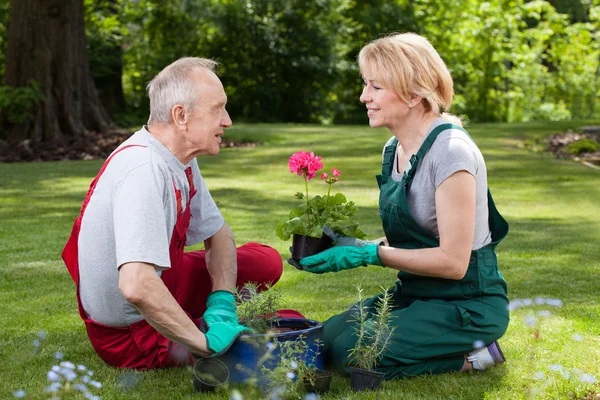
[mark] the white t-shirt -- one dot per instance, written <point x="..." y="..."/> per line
<point x="451" y="152"/>
<point x="130" y="218"/>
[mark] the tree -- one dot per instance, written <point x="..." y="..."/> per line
<point x="46" y="44"/>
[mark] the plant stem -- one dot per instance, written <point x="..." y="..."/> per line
<point x="307" y="209"/>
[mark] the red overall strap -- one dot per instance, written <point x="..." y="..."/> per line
<point x="70" y="252"/>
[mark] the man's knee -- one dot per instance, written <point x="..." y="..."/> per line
<point x="259" y="263"/>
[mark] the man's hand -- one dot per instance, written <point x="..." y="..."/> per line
<point x="220" y="322"/>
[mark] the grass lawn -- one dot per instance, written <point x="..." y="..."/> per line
<point x="552" y="251"/>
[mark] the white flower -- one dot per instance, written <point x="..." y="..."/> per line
<point x="37" y="343"/>
<point x="527" y="302"/>
<point x="310" y="396"/>
<point x="85" y="379"/>
<point x="80" y="386"/>
<point x="290" y="375"/>
<point x="577" y="337"/>
<point x="556" y="367"/>
<point x="294" y="364"/>
<point x="530" y="320"/>
<point x="587" y="378"/>
<point x="478" y="344"/>
<point x="235" y="395"/>
<point x="53" y="376"/>
<point x="68" y="374"/>
<point x="566" y="375"/>
<point x="81" y="367"/>
<point x="67" y="364"/>
<point x="539" y="375"/>
<point x="58" y="355"/>
<point x="56" y="368"/>
<point x="96" y="384"/>
<point x="19" y="394"/>
<point x="543" y="313"/>
<point x="554" y="302"/>
<point x="270" y="346"/>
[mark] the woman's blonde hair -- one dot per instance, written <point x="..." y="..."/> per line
<point x="408" y="64"/>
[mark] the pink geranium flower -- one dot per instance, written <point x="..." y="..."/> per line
<point x="306" y="164"/>
<point x="335" y="172"/>
<point x="324" y="176"/>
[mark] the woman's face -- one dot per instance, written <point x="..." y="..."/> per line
<point x="384" y="107"/>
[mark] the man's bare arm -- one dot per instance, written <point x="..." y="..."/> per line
<point x="142" y="287"/>
<point x="221" y="259"/>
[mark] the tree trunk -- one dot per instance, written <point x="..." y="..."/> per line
<point x="46" y="43"/>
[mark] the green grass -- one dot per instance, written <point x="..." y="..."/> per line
<point x="552" y="251"/>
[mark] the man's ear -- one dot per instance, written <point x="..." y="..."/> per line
<point x="179" y="115"/>
<point x="414" y="100"/>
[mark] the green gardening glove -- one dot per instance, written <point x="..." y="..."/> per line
<point x="339" y="258"/>
<point x="220" y="322"/>
<point x="347" y="253"/>
<point x="220" y="307"/>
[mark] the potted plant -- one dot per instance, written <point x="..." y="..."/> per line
<point x="296" y="371"/>
<point x="252" y="351"/>
<point x="305" y="221"/>
<point x="374" y="333"/>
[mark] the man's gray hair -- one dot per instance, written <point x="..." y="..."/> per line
<point x="175" y="85"/>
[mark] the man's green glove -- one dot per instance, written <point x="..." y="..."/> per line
<point x="220" y="322"/>
<point x="347" y="253"/>
<point x="220" y="307"/>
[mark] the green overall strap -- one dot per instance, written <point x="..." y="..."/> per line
<point x="388" y="158"/>
<point x="414" y="159"/>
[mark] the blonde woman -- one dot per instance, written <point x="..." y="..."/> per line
<point x="440" y="222"/>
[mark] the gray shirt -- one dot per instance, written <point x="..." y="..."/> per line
<point x="130" y="218"/>
<point x="451" y="152"/>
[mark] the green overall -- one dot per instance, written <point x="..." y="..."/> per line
<point x="437" y="320"/>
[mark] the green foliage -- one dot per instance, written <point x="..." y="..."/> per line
<point x="583" y="146"/>
<point x="16" y="103"/>
<point x="373" y="330"/>
<point x="258" y="309"/>
<point x="309" y="219"/>
<point x="4" y="18"/>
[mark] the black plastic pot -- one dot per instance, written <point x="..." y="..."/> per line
<point x="209" y="373"/>
<point x="304" y="246"/>
<point x="361" y="379"/>
<point x="321" y="384"/>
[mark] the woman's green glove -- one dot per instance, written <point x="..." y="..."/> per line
<point x="339" y="258"/>
<point x="220" y="322"/>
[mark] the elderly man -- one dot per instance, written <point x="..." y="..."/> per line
<point x="141" y="296"/>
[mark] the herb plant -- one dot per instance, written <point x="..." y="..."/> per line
<point x="374" y="331"/>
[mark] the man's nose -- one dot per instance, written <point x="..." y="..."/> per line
<point x="226" y="121"/>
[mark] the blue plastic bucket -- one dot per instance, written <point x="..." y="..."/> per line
<point x="251" y="351"/>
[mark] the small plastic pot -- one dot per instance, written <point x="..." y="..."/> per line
<point x="304" y="246"/>
<point x="321" y="384"/>
<point x="209" y="373"/>
<point x="361" y="379"/>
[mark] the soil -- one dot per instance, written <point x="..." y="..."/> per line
<point x="557" y="144"/>
<point x="90" y="146"/>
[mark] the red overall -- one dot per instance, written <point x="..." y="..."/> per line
<point x="139" y="345"/>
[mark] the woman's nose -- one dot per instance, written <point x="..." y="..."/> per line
<point x="364" y="96"/>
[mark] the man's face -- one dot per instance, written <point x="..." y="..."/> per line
<point x="208" y="120"/>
